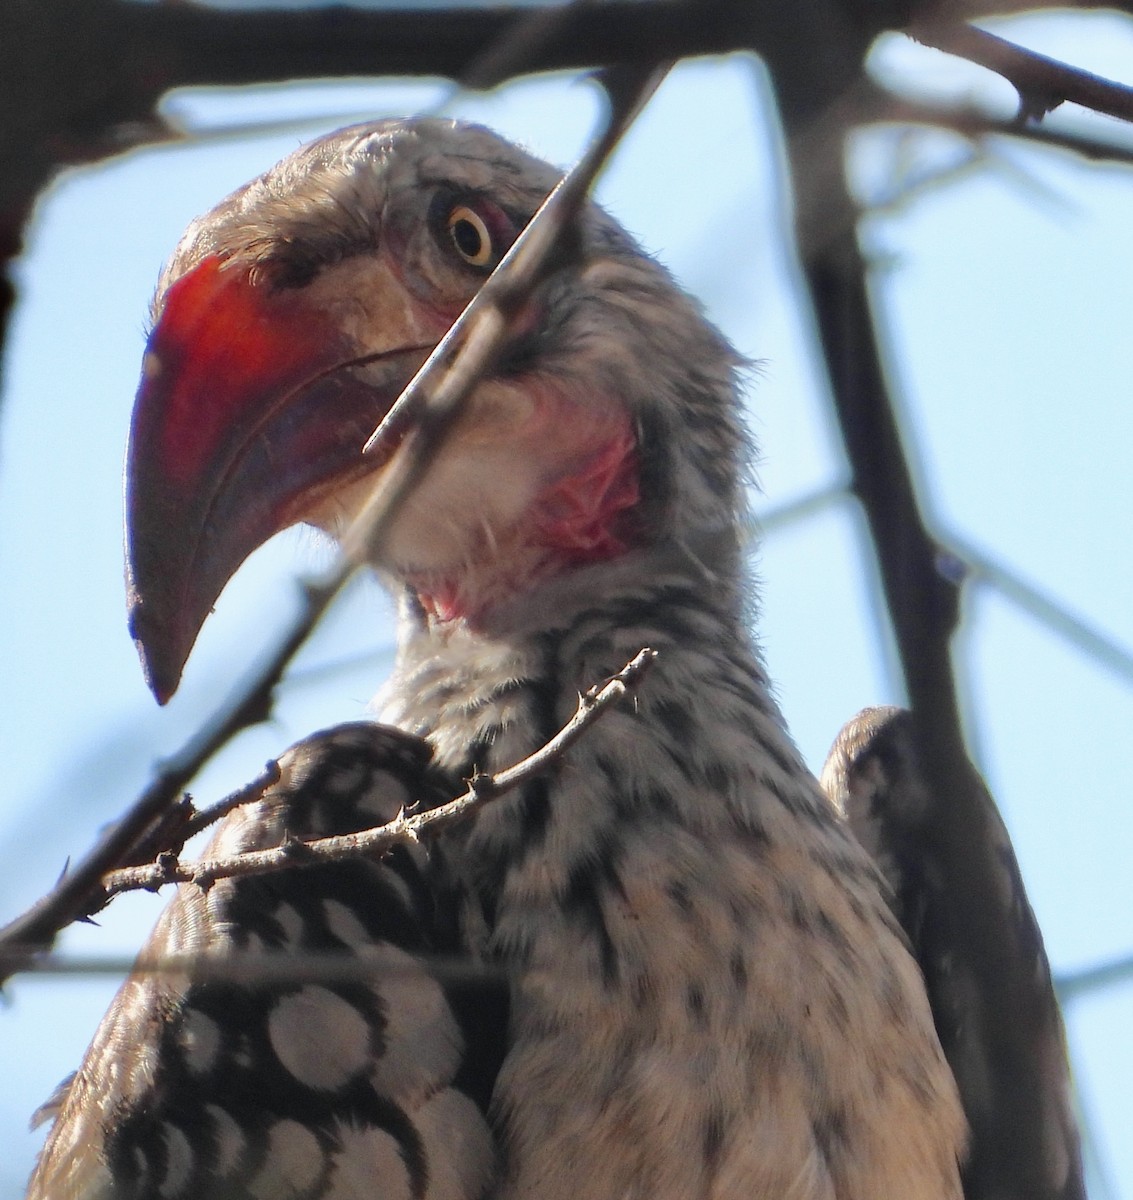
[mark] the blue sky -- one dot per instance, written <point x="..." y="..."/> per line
<point x="1006" y="289"/>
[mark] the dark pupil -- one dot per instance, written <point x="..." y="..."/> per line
<point x="467" y="238"/>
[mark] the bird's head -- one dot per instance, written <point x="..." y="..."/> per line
<point x="292" y="314"/>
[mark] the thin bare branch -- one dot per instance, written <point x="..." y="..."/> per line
<point x="521" y="44"/>
<point x="1070" y="985"/>
<point x="202" y="819"/>
<point x="406" y="827"/>
<point x="1087" y="639"/>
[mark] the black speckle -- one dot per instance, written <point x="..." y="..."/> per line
<point x="535" y="808"/>
<point x="830" y="1133"/>
<point x="915" y="1075"/>
<point x="718" y="777"/>
<point x="846" y="863"/>
<point x="655" y="801"/>
<point x="795" y="907"/>
<point x="836" y="936"/>
<point x="677" y="891"/>
<point x="583" y="902"/>
<point x="893" y="994"/>
<point x="738" y="968"/>
<point x="610" y="767"/>
<point x="712" y="1139"/>
<point x="839" y="1012"/>
<point x="694" y="1003"/>
<point x="785" y="762"/>
<point x="535" y="814"/>
<point x="641" y="990"/>
<point x="676" y="720"/>
<point x="755" y="838"/>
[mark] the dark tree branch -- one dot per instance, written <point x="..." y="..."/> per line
<point x="923" y="604"/>
<point x="200" y="820"/>
<point x="83" y="78"/>
<point x="1090" y="979"/>
<point x="922" y="597"/>
<point x="1042" y="83"/>
<point x="877" y="107"/>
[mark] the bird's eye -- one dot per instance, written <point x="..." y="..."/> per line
<point x="470" y="236"/>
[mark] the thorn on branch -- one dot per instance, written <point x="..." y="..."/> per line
<point x="482" y="785"/>
<point x="248" y="794"/>
<point x="1034" y="105"/>
<point x="403" y="826"/>
<point x="292" y="847"/>
<point x="168" y="865"/>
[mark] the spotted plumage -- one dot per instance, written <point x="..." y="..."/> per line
<point x="230" y="1087"/>
<point x="692" y="983"/>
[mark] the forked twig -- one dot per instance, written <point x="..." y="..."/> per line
<point x="405" y="827"/>
<point x="205" y="817"/>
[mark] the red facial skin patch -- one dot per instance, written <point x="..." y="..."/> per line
<point x="225" y="345"/>
<point x="577" y="515"/>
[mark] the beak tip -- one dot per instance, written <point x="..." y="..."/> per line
<point x="161" y="665"/>
<point x="162" y="689"/>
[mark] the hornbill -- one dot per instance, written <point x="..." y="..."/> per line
<point x="688" y="979"/>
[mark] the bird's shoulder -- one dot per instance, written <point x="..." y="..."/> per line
<point x="314" y="1040"/>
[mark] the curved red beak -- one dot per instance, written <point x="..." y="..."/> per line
<point x="253" y="406"/>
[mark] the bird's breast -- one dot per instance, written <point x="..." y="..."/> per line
<point x="708" y="995"/>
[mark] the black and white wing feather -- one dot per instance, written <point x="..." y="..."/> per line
<point x="331" y="1083"/>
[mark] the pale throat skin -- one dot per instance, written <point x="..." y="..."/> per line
<point x="531" y="482"/>
<point x="709" y="998"/>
